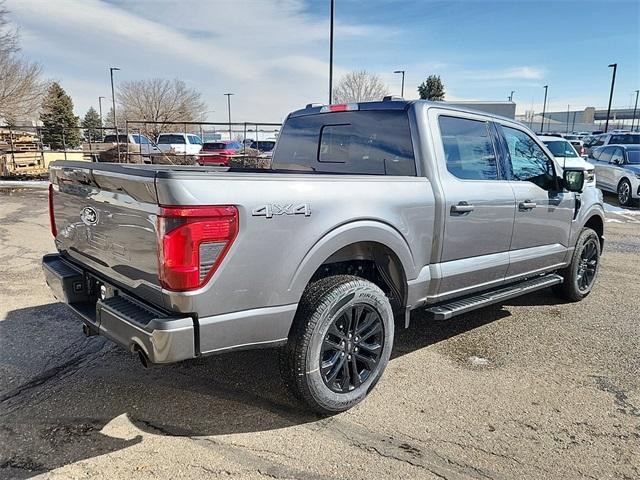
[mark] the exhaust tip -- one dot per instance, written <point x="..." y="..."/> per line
<point x="144" y="360"/>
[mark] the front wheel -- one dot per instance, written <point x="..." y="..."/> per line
<point x="580" y="275"/>
<point x="340" y="343"/>
<point x="624" y="193"/>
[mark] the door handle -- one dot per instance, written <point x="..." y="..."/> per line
<point x="461" y="208"/>
<point x="527" y="205"/>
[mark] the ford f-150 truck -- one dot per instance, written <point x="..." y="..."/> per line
<point x="370" y="210"/>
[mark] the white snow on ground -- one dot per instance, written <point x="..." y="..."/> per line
<point x="24" y="183"/>
<point x="608" y="208"/>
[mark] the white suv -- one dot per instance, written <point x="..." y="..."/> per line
<point x="188" y="143"/>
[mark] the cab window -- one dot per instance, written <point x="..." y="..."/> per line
<point x="617" y="156"/>
<point x="468" y="148"/>
<point x="528" y="161"/>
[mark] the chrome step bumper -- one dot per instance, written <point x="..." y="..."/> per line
<point x="444" y="311"/>
<point x="125" y="320"/>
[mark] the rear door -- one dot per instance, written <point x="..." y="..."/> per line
<point x="479" y="204"/>
<point x="543" y="211"/>
<point x="604" y="175"/>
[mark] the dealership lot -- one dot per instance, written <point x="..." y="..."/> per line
<point x="536" y="388"/>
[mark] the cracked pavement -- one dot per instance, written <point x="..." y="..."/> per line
<point x="535" y="389"/>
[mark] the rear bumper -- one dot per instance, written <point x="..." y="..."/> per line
<point x="121" y="318"/>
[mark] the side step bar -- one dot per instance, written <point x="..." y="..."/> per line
<point x="445" y="311"/>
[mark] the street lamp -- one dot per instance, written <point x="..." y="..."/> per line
<point x="511" y="96"/>
<point x="113" y="99"/>
<point x="402" y="89"/>
<point x="100" y="107"/>
<point x="331" y="52"/>
<point x="635" y="108"/>
<point x="613" y="82"/>
<point x="229" y="107"/>
<point x="544" y="107"/>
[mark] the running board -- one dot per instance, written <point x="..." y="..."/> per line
<point x="445" y="311"/>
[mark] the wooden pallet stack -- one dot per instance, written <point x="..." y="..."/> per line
<point x="20" y="154"/>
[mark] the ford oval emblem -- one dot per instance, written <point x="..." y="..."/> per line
<point x="89" y="216"/>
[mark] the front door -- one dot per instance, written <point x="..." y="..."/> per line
<point x="543" y="211"/>
<point x="479" y="205"/>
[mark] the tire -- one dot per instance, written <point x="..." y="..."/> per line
<point x="624" y="193"/>
<point x="581" y="269"/>
<point x="320" y="336"/>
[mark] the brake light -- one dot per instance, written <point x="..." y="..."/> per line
<point x="339" y="107"/>
<point x="52" y="217"/>
<point x="192" y="241"/>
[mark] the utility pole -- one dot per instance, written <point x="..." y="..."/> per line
<point x="229" y="107"/>
<point x="100" y="107"/>
<point x="115" y="122"/>
<point x="635" y="108"/>
<point x="613" y="82"/>
<point x="331" y="53"/>
<point x="544" y="107"/>
<point x="511" y="96"/>
<point x="402" y="88"/>
<point x="568" y="107"/>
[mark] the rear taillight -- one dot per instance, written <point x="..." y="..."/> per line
<point x="52" y="217"/>
<point x="339" y="107"/>
<point x="192" y="241"/>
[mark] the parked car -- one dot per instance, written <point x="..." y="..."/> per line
<point x="147" y="147"/>
<point x="263" y="145"/>
<point x="187" y="143"/>
<point x="618" y="171"/>
<point x="567" y="156"/>
<point x="371" y="210"/>
<point x="612" y="139"/>
<point x="219" y="153"/>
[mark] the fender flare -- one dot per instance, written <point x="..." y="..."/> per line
<point x="348" y="234"/>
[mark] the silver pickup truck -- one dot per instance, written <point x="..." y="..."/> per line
<point x="369" y="211"/>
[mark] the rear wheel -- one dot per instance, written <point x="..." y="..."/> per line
<point x="580" y="275"/>
<point x="624" y="193"/>
<point x="340" y="343"/>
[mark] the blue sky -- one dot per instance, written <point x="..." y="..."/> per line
<point x="274" y="54"/>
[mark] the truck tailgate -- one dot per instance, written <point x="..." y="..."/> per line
<point x="106" y="219"/>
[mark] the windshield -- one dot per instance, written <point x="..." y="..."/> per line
<point x="633" y="157"/>
<point x="112" y="139"/>
<point x="560" y="148"/>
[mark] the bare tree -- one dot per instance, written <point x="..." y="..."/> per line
<point x="21" y="84"/>
<point x="159" y="100"/>
<point x="359" y="87"/>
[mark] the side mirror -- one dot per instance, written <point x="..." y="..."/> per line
<point x="573" y="180"/>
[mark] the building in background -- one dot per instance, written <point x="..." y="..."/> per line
<point x="589" y="119"/>
<point x="504" y="109"/>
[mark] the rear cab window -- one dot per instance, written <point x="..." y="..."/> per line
<point x="371" y="142"/>
<point x="169" y="138"/>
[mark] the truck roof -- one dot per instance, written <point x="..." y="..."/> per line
<point x="389" y="103"/>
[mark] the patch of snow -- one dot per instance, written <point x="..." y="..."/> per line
<point x="24" y="184"/>
<point x="478" y="361"/>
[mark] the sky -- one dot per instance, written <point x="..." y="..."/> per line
<point x="274" y="54"/>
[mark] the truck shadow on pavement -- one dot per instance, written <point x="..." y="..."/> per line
<point x="58" y="389"/>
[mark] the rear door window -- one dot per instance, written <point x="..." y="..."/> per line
<point x="168" y="138"/>
<point x="361" y="142"/>
<point x="605" y="154"/>
<point x="468" y="148"/>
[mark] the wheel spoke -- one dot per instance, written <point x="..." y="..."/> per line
<point x="334" y="330"/>
<point x="357" y="313"/>
<point x="337" y="367"/>
<point x="372" y="348"/>
<point x="376" y="328"/>
<point x="357" y="380"/>
<point x="368" y="320"/>
<point x="346" y="377"/>
<point x="368" y="361"/>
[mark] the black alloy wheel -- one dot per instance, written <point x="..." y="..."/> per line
<point x="351" y="348"/>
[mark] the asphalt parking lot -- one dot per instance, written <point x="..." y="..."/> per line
<point x="535" y="388"/>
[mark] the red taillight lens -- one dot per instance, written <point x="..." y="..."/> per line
<point x="52" y="217"/>
<point x="339" y="107"/>
<point x="192" y="241"/>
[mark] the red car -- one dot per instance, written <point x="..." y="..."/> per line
<point x="218" y="153"/>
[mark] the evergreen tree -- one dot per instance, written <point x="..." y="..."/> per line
<point x="432" y="88"/>
<point x="59" y="122"/>
<point x="92" y="124"/>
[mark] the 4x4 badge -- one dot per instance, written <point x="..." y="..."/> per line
<point x="271" y="209"/>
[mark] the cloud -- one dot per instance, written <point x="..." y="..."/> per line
<point x="272" y="55"/>
<point x="513" y="73"/>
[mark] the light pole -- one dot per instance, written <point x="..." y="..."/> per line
<point x="544" y="107"/>
<point x="511" y="96"/>
<point x="331" y="52"/>
<point x="402" y="88"/>
<point x="635" y="108"/>
<point x="613" y="82"/>
<point x="568" y="107"/>
<point x="229" y="107"/>
<point x="100" y="107"/>
<point x="113" y="99"/>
